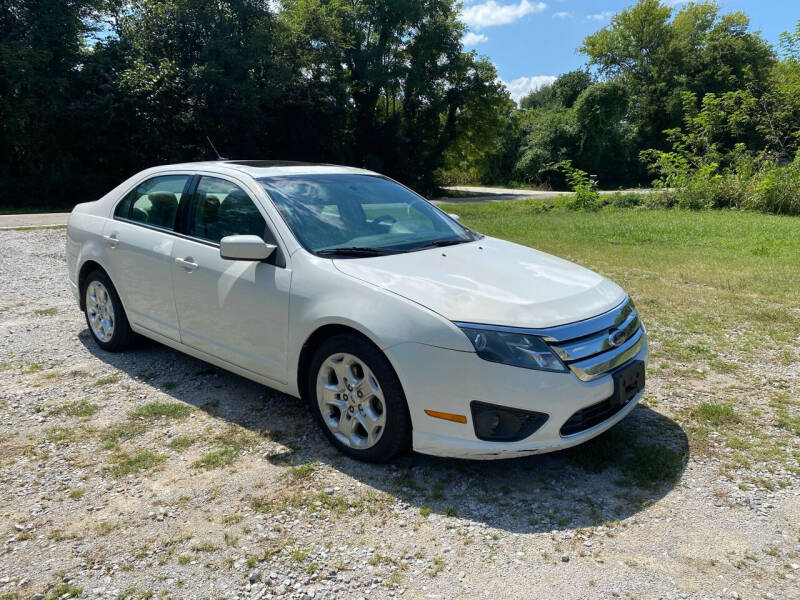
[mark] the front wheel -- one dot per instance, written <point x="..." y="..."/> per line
<point x="357" y="399"/>
<point x="104" y="313"/>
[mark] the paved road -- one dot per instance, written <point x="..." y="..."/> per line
<point x="33" y="220"/>
<point x="493" y="194"/>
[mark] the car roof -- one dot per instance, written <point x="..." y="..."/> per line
<point x="267" y="168"/>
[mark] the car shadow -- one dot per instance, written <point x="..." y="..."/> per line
<point x="610" y="478"/>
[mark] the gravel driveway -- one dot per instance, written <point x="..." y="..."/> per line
<point x="152" y="474"/>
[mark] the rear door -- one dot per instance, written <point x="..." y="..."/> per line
<point x="235" y="310"/>
<point x="140" y="240"/>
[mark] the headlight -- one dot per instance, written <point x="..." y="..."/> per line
<point x="515" y="349"/>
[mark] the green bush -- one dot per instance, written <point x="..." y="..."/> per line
<point x="778" y="191"/>
<point x="586" y="195"/>
<point x="446" y="177"/>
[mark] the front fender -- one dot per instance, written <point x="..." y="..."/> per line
<point x="322" y="295"/>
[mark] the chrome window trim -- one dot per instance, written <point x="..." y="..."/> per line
<point x="267" y="220"/>
<point x="167" y="231"/>
<point x="139" y="182"/>
<point x="569" y="331"/>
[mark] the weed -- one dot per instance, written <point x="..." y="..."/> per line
<point x="304" y="471"/>
<point x="64" y="590"/>
<point x="438" y="567"/>
<point x="217" y="459"/>
<point x="299" y="554"/>
<point x="180" y="443"/>
<point x="157" y="410"/>
<point x="143" y="460"/>
<point x="79" y="408"/>
<point x="107" y="380"/>
<point x="716" y="414"/>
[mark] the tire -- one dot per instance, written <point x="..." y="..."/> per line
<point x="352" y="387"/>
<point x="104" y="313"/>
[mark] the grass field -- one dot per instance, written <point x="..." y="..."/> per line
<point x="719" y="292"/>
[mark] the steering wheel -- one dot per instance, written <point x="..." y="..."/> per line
<point x="388" y="218"/>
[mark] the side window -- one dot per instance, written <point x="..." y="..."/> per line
<point x="223" y="208"/>
<point x="155" y="201"/>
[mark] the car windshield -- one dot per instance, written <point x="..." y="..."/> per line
<point x="360" y="215"/>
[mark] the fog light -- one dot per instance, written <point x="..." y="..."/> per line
<point x="503" y="424"/>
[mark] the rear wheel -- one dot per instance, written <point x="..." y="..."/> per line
<point x="357" y="399"/>
<point x="104" y="313"/>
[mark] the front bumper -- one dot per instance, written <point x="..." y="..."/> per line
<point x="447" y="381"/>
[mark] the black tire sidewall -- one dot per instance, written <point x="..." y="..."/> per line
<point x="122" y="336"/>
<point x="396" y="437"/>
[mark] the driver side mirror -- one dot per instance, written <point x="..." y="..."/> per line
<point x="245" y="247"/>
<point x="454" y="216"/>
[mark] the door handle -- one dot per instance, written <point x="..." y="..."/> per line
<point x="111" y="240"/>
<point x="186" y="263"/>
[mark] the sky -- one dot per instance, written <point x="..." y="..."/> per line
<point x="531" y="41"/>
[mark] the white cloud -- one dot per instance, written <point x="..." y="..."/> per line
<point x="562" y="15"/>
<point x="522" y="86"/>
<point x="603" y="16"/>
<point x="473" y="39"/>
<point x="490" y="13"/>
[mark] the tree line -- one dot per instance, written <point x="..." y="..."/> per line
<point x="664" y="92"/>
<point x="92" y="91"/>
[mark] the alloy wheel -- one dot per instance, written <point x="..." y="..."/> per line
<point x="351" y="401"/>
<point x="100" y="311"/>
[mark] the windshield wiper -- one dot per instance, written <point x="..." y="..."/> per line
<point x="441" y="243"/>
<point x="356" y="251"/>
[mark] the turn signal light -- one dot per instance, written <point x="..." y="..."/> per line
<point x="446" y="416"/>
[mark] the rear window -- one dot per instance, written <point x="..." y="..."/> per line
<point x="154" y="202"/>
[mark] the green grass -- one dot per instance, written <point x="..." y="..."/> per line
<point x="77" y="493"/>
<point x="64" y="589"/>
<point x="639" y="461"/>
<point x="718" y="291"/>
<point x="696" y="247"/>
<point x="231" y="443"/>
<point x="143" y="460"/>
<point x="217" y="459"/>
<point x="157" y="410"/>
<point x="716" y="414"/>
<point x="181" y="442"/>
<point x="107" y="380"/>
<point x="79" y="408"/>
<point x="304" y="471"/>
<point x="49" y="312"/>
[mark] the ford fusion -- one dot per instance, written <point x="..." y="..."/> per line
<point x="401" y="327"/>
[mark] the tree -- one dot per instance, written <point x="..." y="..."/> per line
<point x="658" y="57"/>
<point x="40" y="51"/>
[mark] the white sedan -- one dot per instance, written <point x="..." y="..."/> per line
<point x="401" y="327"/>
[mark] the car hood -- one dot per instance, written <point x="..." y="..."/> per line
<point x="491" y="281"/>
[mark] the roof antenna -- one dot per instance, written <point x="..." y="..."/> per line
<point x="214" y="148"/>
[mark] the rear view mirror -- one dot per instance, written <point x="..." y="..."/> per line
<point x="454" y="216"/>
<point x="244" y="247"/>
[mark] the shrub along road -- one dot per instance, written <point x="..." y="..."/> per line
<point x="153" y="474"/>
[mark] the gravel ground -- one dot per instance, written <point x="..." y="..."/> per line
<point x="152" y="474"/>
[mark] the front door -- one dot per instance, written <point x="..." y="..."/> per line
<point x="140" y="244"/>
<point x="234" y="310"/>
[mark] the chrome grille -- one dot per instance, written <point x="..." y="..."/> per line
<point x="595" y="346"/>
